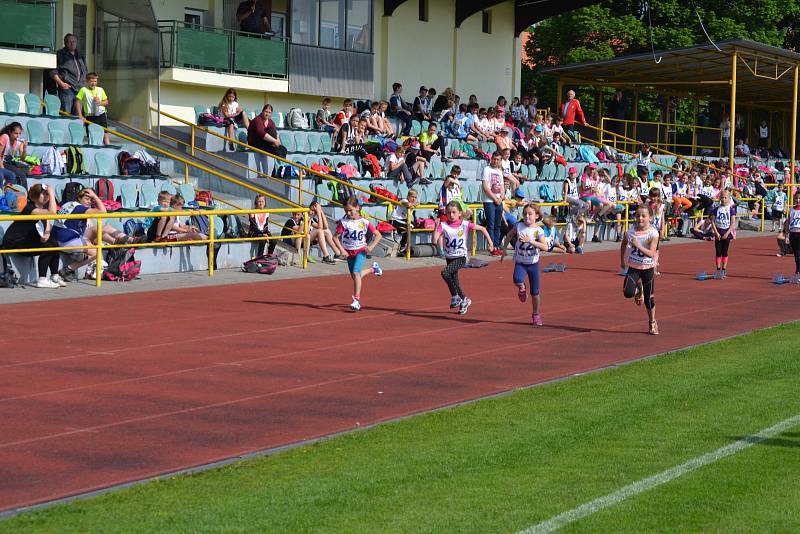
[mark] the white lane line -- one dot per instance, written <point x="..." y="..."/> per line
<point x="647" y="484"/>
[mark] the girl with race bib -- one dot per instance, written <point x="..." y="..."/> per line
<point x="723" y="221"/>
<point x="638" y="256"/>
<point x="530" y="241"/>
<point x="454" y="233"/>
<point x="351" y="231"/>
<point x="792" y="232"/>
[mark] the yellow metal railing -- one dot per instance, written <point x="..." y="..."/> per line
<point x="210" y="241"/>
<point x="662" y="132"/>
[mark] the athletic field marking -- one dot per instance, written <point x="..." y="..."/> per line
<point x="647" y="484"/>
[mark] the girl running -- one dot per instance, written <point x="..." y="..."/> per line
<point x="792" y="230"/>
<point x="723" y="221"/>
<point x="530" y="240"/>
<point x="638" y="256"/>
<point x="351" y="232"/>
<point x="454" y="232"/>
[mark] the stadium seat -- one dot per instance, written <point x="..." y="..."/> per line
<point x="287" y="140"/>
<point x="52" y="105"/>
<point x="323" y="194"/>
<point x="76" y="133"/>
<point x="533" y="172"/>
<point x="128" y="194"/>
<point x="96" y="135"/>
<point x="312" y="124"/>
<point x="148" y="195"/>
<point x="301" y="141"/>
<point x="219" y="227"/>
<point x="36" y="132"/>
<point x="326" y="142"/>
<point x="57" y="131"/>
<point x="11" y="101"/>
<point x="198" y="110"/>
<point x="115" y="224"/>
<point x="105" y="163"/>
<point x="425" y="125"/>
<point x="33" y="104"/>
<point x="314" y="142"/>
<point x="187" y="192"/>
<point x="416" y="128"/>
<point x="170" y="188"/>
<point x="277" y="118"/>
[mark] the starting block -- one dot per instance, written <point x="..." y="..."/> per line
<point x="708" y="276"/>
<point x="780" y="279"/>
<point x="555" y="268"/>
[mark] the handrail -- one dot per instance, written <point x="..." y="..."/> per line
<point x="658" y="142"/>
<point x="211" y="214"/>
<point x="186" y="161"/>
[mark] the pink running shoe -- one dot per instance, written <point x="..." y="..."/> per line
<point x="537" y="319"/>
<point x="523" y="295"/>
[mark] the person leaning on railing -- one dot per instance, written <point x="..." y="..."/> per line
<point x="36" y="234"/>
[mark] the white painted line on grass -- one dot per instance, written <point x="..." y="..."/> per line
<point x="647" y="484"/>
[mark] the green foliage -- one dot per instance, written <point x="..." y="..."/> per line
<point x="619" y="27"/>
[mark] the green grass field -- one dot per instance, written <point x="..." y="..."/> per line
<point x="506" y="464"/>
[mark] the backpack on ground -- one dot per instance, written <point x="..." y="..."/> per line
<point x="424" y="250"/>
<point x="148" y="165"/>
<point x="122" y="265"/>
<point x="546" y="194"/>
<point x="15" y="196"/>
<point x="341" y="190"/>
<point x="75" y="163"/>
<point x="122" y="163"/>
<point x="265" y="264"/>
<point x="105" y="189"/>
<point x="52" y="162"/>
<point x="201" y="223"/>
<point x="204" y="198"/>
<point x="297" y="119"/>
<point x="8" y="278"/>
<point x="133" y="228"/>
<point x="70" y="193"/>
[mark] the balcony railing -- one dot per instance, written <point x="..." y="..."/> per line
<point x="28" y="25"/>
<point x="192" y="46"/>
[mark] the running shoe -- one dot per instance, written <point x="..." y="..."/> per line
<point x="328" y="259"/>
<point x="376" y="269"/>
<point x="465" y="304"/>
<point x="455" y="302"/>
<point x="496" y="252"/>
<point x="340" y="257"/>
<point x="46" y="283"/>
<point x="68" y="275"/>
<point x="653" y="328"/>
<point x="355" y="305"/>
<point x="578" y="250"/>
<point x="537" y="319"/>
<point x="58" y="280"/>
<point x="522" y="294"/>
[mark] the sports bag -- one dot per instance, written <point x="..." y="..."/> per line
<point x="133" y="227"/>
<point x="15" y="196"/>
<point x="201" y="223"/>
<point x="105" y="189"/>
<point x="297" y="119"/>
<point x="52" y="162"/>
<point x="371" y="165"/>
<point x="425" y="250"/>
<point x="204" y="198"/>
<point x="208" y="119"/>
<point x="122" y="265"/>
<point x="70" y="193"/>
<point x="75" y="163"/>
<point x="8" y="278"/>
<point x="265" y="264"/>
<point x="383" y="192"/>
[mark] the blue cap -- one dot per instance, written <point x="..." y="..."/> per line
<point x="519" y="193"/>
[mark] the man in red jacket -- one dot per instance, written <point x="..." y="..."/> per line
<point x="570" y="112"/>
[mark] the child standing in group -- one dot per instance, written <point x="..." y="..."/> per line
<point x="792" y="231"/>
<point x="455" y="232"/>
<point x="351" y="232"/>
<point x="778" y="207"/>
<point x="638" y="256"/>
<point x="723" y="221"/>
<point x="91" y="103"/>
<point x="530" y="240"/>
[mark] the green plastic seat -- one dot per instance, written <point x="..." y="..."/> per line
<point x="287" y="140"/>
<point x="148" y="195"/>
<point x="187" y="192"/>
<point x="326" y="142"/>
<point x="11" y="101"/>
<point x="76" y="132"/>
<point x="36" y="132"/>
<point x="314" y="142"/>
<point x="33" y="104"/>
<point x="301" y="141"/>
<point x="198" y="110"/>
<point x="105" y="163"/>
<point x="57" y="131"/>
<point x="96" y="133"/>
<point x="52" y="105"/>
<point x="128" y="194"/>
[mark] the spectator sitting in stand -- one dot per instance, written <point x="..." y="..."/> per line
<point x="503" y="140"/>
<point x="422" y="105"/>
<point x="442" y="106"/>
<point x="396" y="167"/>
<point x="263" y="135"/>
<point x="169" y="228"/>
<point x="343" y="117"/>
<point x="294" y="226"/>
<point x="232" y="113"/>
<point x="461" y="127"/>
<point x="400" y="109"/>
<point x="323" y="117"/>
<point x="259" y="226"/>
<point x="12" y="146"/>
<point x="346" y="137"/>
<point x="431" y="144"/>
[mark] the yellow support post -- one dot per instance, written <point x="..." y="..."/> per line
<point x="763" y="212"/>
<point x="191" y="148"/>
<point x="305" y="240"/>
<point x="732" y="139"/>
<point x="793" y="148"/>
<point x="301" y="175"/>
<point x="602" y="130"/>
<point x="694" y="126"/>
<point x="98" y="260"/>
<point x="211" y="245"/>
<point x="627" y="215"/>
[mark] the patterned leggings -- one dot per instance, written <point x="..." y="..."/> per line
<point x="631" y="285"/>
<point x="450" y="275"/>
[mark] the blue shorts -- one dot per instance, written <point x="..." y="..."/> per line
<point x="522" y="270"/>
<point x="355" y="263"/>
<point x="593" y="200"/>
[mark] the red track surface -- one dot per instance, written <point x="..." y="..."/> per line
<point x="180" y="378"/>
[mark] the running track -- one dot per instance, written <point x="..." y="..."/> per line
<point x="181" y="378"/>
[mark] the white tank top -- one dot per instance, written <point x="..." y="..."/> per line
<point x="780" y="199"/>
<point x="527" y="253"/>
<point x="572" y="189"/>
<point x="722" y="217"/>
<point x="455" y="239"/>
<point x="354" y="236"/>
<point x="636" y="259"/>
<point x="794" y="220"/>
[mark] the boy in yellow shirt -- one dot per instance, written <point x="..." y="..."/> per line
<point x="91" y="103"/>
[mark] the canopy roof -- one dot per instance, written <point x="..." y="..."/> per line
<point x="764" y="74"/>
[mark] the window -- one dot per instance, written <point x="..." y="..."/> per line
<point x="79" y="25"/>
<point x="487" y="21"/>
<point x="195" y="17"/>
<point x="331" y="23"/>
<point x="423" y="10"/>
<point x="278" y="21"/>
<point x="305" y="17"/>
<point x="359" y="26"/>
